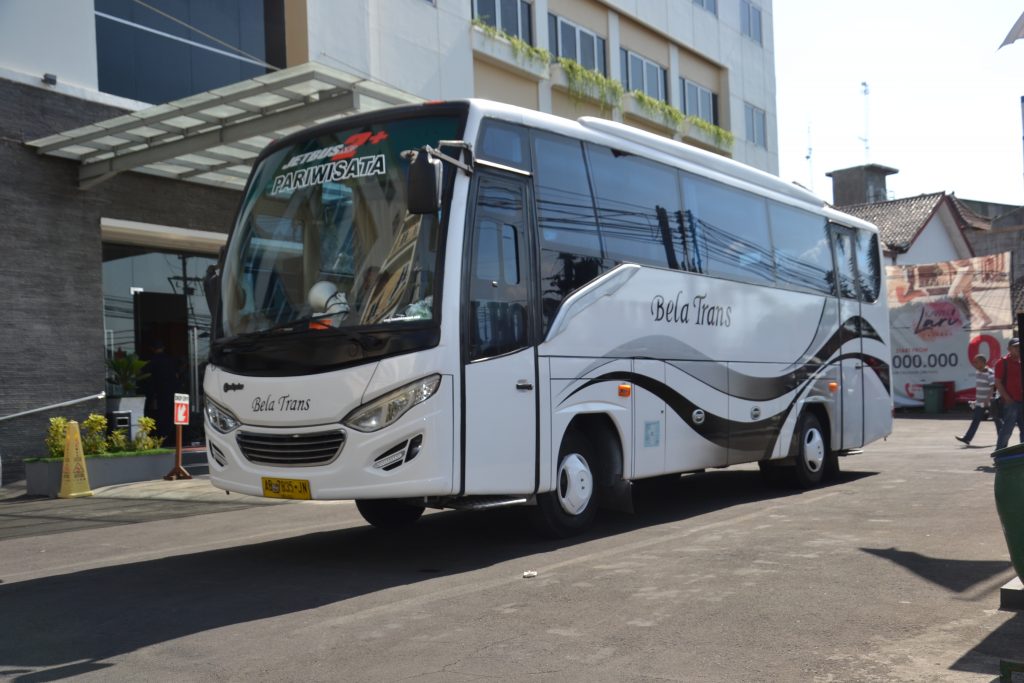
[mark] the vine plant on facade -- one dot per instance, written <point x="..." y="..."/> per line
<point x="521" y="50"/>
<point x="679" y="122"/>
<point x="587" y="84"/>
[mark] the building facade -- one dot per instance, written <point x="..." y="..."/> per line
<point x="127" y="129"/>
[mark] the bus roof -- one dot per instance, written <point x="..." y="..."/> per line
<point x="688" y="157"/>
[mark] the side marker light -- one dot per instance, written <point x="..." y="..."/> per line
<point x="625" y="390"/>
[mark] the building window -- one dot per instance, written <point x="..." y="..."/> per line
<point x="756" y="125"/>
<point x="566" y="39"/>
<point x="143" y="55"/>
<point x="750" y="21"/>
<point x="709" y="5"/>
<point x="514" y="17"/>
<point x="698" y="101"/>
<point x="640" y="73"/>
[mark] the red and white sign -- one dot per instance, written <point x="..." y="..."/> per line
<point x="181" y="409"/>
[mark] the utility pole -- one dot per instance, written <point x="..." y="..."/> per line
<point x="864" y="85"/>
<point x="810" y="163"/>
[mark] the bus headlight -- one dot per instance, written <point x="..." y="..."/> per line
<point x="388" y="408"/>
<point x="222" y="420"/>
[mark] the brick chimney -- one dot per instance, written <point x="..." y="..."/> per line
<point x="860" y="184"/>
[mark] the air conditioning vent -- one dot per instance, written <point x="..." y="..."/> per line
<point x="291" y="449"/>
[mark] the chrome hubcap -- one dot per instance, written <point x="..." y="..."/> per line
<point x="575" y="484"/>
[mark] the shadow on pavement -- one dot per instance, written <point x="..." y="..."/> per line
<point x="69" y="624"/>
<point x="29" y="517"/>
<point x="1003" y="643"/>
<point x="954" y="575"/>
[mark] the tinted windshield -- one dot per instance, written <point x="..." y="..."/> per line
<point x="324" y="240"/>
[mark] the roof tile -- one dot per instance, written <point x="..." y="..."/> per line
<point x="898" y="220"/>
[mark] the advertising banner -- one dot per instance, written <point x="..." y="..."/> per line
<point x="943" y="314"/>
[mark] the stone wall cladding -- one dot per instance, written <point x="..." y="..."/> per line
<point x="51" y="318"/>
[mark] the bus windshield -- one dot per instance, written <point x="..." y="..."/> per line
<point x="324" y="240"/>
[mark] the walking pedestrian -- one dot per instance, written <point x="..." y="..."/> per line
<point x="984" y="384"/>
<point x="1008" y="384"/>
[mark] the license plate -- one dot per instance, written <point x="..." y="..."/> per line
<point x="293" y="489"/>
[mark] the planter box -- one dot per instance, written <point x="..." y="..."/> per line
<point x="43" y="477"/>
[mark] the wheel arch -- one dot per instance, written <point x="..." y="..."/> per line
<point x="606" y="439"/>
<point x="824" y="420"/>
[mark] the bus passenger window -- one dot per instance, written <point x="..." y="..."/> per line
<point x="846" y="262"/>
<point x="635" y="198"/>
<point x="504" y="143"/>
<point x="732" y="229"/>
<point x="869" y="269"/>
<point x="565" y="207"/>
<point x="802" y="255"/>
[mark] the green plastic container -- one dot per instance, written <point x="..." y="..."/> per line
<point x="934" y="398"/>
<point x="1009" y="490"/>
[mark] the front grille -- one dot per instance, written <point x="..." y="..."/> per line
<point x="295" y="449"/>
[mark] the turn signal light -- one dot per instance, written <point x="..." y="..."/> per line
<point x="833" y="387"/>
<point x="625" y="390"/>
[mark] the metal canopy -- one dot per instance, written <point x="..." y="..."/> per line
<point x="213" y="137"/>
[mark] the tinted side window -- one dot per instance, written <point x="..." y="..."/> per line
<point x="504" y="143"/>
<point x="846" y="262"/>
<point x="498" y="291"/>
<point x="565" y="208"/>
<point x="731" y="230"/>
<point x="562" y="273"/>
<point x="802" y="255"/>
<point x="637" y="205"/>
<point x="869" y="270"/>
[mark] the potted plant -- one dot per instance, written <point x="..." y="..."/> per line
<point x="125" y="374"/>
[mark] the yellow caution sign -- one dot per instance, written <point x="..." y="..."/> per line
<point x="74" y="481"/>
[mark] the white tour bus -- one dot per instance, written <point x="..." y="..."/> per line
<point x="468" y="304"/>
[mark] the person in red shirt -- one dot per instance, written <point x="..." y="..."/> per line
<point x="1008" y="383"/>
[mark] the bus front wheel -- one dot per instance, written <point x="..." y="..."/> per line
<point x="389" y="513"/>
<point x="571" y="507"/>
<point x="812" y="456"/>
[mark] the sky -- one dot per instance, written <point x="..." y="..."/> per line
<point x="943" y="103"/>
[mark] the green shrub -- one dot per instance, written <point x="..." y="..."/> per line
<point x="144" y="441"/>
<point x="96" y="441"/>
<point x="118" y="441"/>
<point x="94" y="434"/>
<point x="55" y="437"/>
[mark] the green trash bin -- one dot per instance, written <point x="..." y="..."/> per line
<point x="934" y="398"/>
<point x="1009" y="491"/>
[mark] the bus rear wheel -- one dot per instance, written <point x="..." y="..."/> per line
<point x="389" y="513"/>
<point x="812" y="456"/>
<point x="571" y="507"/>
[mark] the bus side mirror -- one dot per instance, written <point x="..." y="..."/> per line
<point x="423" y="184"/>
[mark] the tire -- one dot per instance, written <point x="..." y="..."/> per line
<point x="571" y="507"/>
<point x="389" y="513"/>
<point x="810" y="453"/>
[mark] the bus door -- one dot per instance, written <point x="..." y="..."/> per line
<point x="500" y="383"/>
<point x="851" y="362"/>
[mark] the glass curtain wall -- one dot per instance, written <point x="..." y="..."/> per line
<point x="154" y="306"/>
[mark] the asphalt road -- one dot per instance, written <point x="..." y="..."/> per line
<point x="891" y="574"/>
